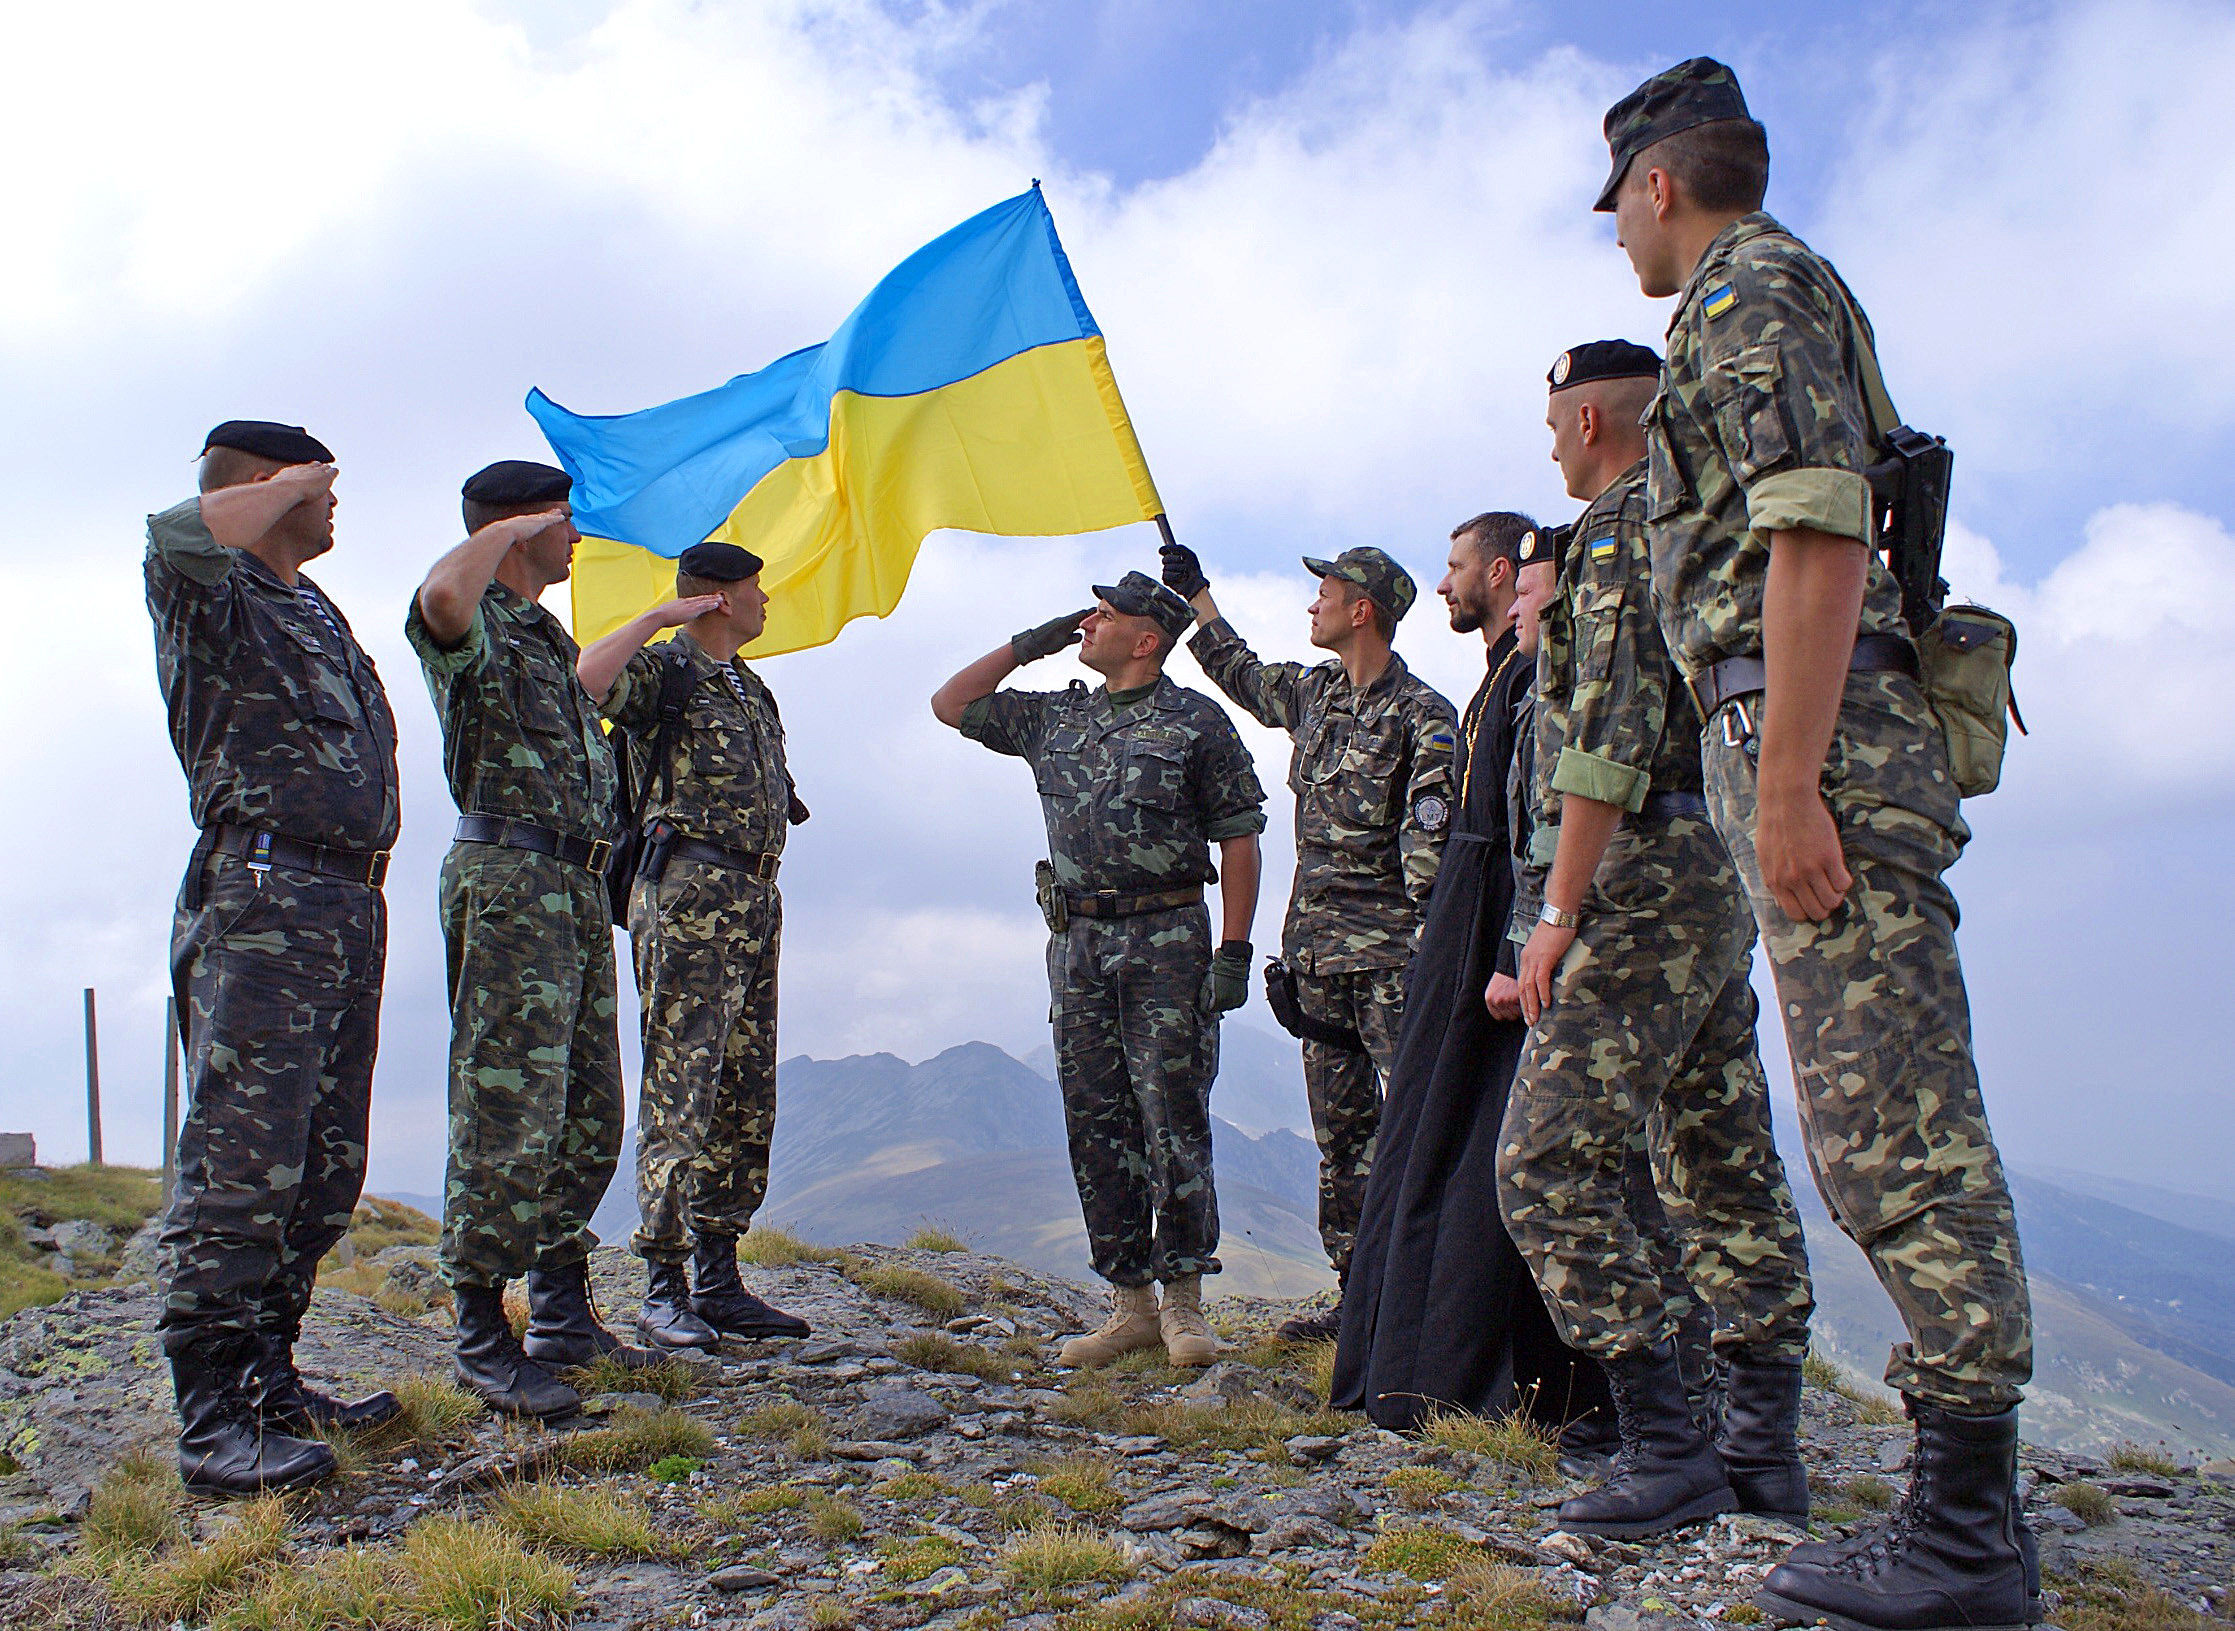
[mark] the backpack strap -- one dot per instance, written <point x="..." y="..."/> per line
<point x="674" y="698"/>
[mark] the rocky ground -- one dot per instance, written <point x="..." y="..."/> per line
<point x="918" y="1461"/>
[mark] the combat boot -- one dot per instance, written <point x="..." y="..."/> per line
<point x="1760" y="1439"/>
<point x="221" y="1451"/>
<point x="719" y="1297"/>
<point x="492" y="1366"/>
<point x="1666" y="1474"/>
<point x="1320" y="1325"/>
<point x="281" y="1399"/>
<point x="563" y="1324"/>
<point x="1132" y="1326"/>
<point x="1587" y="1444"/>
<point x="666" y="1319"/>
<point x="1954" y="1552"/>
<point x="1189" y="1341"/>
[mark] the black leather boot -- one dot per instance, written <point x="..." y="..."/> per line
<point x="1954" y="1552"/>
<point x="1760" y="1439"/>
<point x="1325" y="1325"/>
<point x="563" y="1323"/>
<point x="1666" y="1473"/>
<point x="493" y="1367"/>
<point x="666" y="1318"/>
<point x="719" y="1297"/>
<point x="281" y="1398"/>
<point x="1588" y="1444"/>
<point x="221" y="1451"/>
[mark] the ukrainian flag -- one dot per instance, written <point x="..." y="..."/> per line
<point x="969" y="390"/>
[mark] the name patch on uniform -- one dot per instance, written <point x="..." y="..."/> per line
<point x="1431" y="812"/>
<point x="1719" y="301"/>
<point x="1602" y="549"/>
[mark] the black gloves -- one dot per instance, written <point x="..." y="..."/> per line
<point x="1049" y="638"/>
<point x="1229" y="971"/>
<point x="1183" y="573"/>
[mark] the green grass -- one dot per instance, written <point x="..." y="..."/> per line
<point x="768" y="1248"/>
<point x="802" y="1428"/>
<point x="1259" y="1425"/>
<point x="583" y="1522"/>
<point x="673" y="1469"/>
<point x="2109" y="1594"/>
<point x="916" y="1557"/>
<point x="2092" y="1506"/>
<point x="1418" y="1552"/>
<point x="1420" y="1487"/>
<point x="2158" y="1462"/>
<point x="936" y="1351"/>
<point x="926" y="1291"/>
<point x="931" y="1238"/>
<point x="671" y="1379"/>
<point x="468" y="1576"/>
<point x="636" y="1439"/>
<point x="1512" y="1441"/>
<point x="1055" y="1557"/>
<point x="134" y="1510"/>
<point x="833" y="1519"/>
<point x="1872" y="1408"/>
<point x="192" y="1582"/>
<point x="725" y="1511"/>
<point x="118" y="1198"/>
<point x="1085" y="1484"/>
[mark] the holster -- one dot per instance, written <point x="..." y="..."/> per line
<point x="1288" y="1008"/>
<point x="1053" y="907"/>
<point x="659" y="844"/>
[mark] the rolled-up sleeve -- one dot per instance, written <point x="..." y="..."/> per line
<point x="1620" y="700"/>
<point x="179" y="544"/>
<point x="466" y="657"/>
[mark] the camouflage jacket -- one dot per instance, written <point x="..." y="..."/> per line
<point x="1134" y="792"/>
<point x="278" y="716"/>
<point x="730" y="784"/>
<point x="1761" y="424"/>
<point x="520" y="737"/>
<point x="1614" y="720"/>
<point x="1372" y="775"/>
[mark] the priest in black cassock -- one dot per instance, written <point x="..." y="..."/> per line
<point x="1440" y="1311"/>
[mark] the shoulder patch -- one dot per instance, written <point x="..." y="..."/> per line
<point x="1719" y="300"/>
<point x="1432" y="811"/>
<point x="1441" y="738"/>
<point x="1602" y="549"/>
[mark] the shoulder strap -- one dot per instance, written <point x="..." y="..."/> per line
<point x="674" y="698"/>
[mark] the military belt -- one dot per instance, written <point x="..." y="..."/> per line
<point x="1109" y="903"/>
<point x="1668" y="806"/>
<point x="265" y="850"/>
<point x="591" y="854"/>
<point x="762" y="867"/>
<point x="1736" y="677"/>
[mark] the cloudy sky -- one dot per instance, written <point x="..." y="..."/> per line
<point x="1334" y="244"/>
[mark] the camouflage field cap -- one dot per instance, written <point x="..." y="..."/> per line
<point x="1139" y="595"/>
<point x="1387" y="584"/>
<point x="1699" y="92"/>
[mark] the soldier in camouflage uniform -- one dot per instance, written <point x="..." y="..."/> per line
<point x="1827" y="777"/>
<point x="277" y="946"/>
<point x="1372" y="777"/>
<point x="1636" y="983"/>
<point x="705" y="921"/>
<point x="535" y="1063"/>
<point x="1137" y="780"/>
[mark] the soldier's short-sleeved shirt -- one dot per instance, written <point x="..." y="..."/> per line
<point x="729" y="780"/>
<point x="1613" y="719"/>
<point x="520" y="737"/>
<point x="1134" y="792"/>
<point x="1372" y="775"/>
<point x="278" y="716"/>
<point x="1762" y="423"/>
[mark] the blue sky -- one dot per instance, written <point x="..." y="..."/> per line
<point x="1334" y="248"/>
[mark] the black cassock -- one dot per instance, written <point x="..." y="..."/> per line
<point x="1440" y="1310"/>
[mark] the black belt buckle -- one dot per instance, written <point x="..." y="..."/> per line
<point x="601" y="854"/>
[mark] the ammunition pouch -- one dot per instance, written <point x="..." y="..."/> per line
<point x="1963" y="661"/>
<point x="1053" y="908"/>
<point x="1288" y="1008"/>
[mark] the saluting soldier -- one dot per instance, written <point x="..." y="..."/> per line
<point x="705" y="922"/>
<point x="1138" y="778"/>
<point x="1827" y="778"/>
<point x="1372" y="777"/>
<point x="277" y="946"/>
<point x="535" y="1059"/>
<point x="1635" y="979"/>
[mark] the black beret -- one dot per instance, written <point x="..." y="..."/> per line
<point x="718" y="563"/>
<point x="1603" y="359"/>
<point x="1697" y="92"/>
<point x="282" y="444"/>
<point x="517" y="481"/>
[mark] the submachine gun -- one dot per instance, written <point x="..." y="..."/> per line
<point x="1910" y="489"/>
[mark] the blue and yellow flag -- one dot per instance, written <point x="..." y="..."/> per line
<point x="969" y="390"/>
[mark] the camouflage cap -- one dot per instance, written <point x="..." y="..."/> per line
<point x="1387" y="584"/>
<point x="1699" y="92"/>
<point x="1139" y="595"/>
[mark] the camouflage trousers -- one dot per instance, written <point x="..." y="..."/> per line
<point x="1344" y="1088"/>
<point x="706" y="940"/>
<point x="1880" y="1032"/>
<point x="278" y="992"/>
<point x="535" y="1062"/>
<point x="1136" y="1046"/>
<point x="1649" y="1042"/>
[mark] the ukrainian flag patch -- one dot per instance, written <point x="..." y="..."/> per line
<point x="1603" y="549"/>
<point x="1439" y="739"/>
<point x="1719" y="301"/>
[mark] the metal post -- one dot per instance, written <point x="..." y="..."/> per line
<point x="92" y="1083"/>
<point x="170" y="1094"/>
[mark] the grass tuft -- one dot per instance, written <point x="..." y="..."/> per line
<point x="1052" y="1557"/>
<point x="931" y="1238"/>
<point x="636" y="1439"/>
<point x="768" y="1248"/>
<point x="671" y="1379"/>
<point x="801" y="1427"/>
<point x="464" y="1575"/>
<point x="578" y="1522"/>
<point x="1251" y="1424"/>
<point x="1418" y="1552"/>
<point x="2109" y="1594"/>
<point x="1419" y="1488"/>
<point x="2092" y="1506"/>
<point x="2130" y="1457"/>
<point x="833" y="1519"/>
<point x="1869" y="1492"/>
<point x="1085" y="1484"/>
<point x="936" y="1351"/>
<point x="926" y="1291"/>
<point x="915" y="1557"/>
<point x="190" y="1583"/>
<point x="728" y="1511"/>
<point x="1872" y="1408"/>
<point x="349" y="1590"/>
<point x="1512" y="1441"/>
<point x="435" y="1409"/>
<point x="1509" y="1599"/>
<point x="134" y="1510"/>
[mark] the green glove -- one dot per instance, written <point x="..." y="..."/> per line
<point x="1229" y="976"/>
<point x="1049" y="638"/>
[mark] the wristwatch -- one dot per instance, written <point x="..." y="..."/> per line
<point x="1557" y="918"/>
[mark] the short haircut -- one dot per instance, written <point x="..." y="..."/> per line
<point x="1497" y="533"/>
<point x="230" y="467"/>
<point x="479" y="513"/>
<point x="1385" y="621"/>
<point x="687" y="586"/>
<point x="1721" y="165"/>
